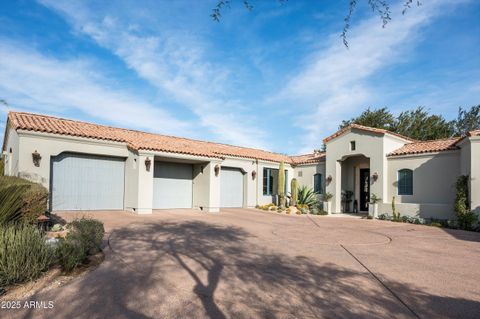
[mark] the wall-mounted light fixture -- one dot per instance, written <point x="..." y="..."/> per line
<point x="329" y="179"/>
<point x="254" y="174"/>
<point x="36" y="158"/>
<point x="375" y="176"/>
<point x="148" y="163"/>
<point x="217" y="169"/>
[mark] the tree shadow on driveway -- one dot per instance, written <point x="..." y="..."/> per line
<point x="197" y="269"/>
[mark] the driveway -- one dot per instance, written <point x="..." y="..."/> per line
<point x="244" y="263"/>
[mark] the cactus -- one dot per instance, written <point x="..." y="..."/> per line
<point x="281" y="184"/>
<point x="294" y="191"/>
<point x="394" y="211"/>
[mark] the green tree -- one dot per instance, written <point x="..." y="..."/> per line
<point x="380" y="118"/>
<point x="467" y="120"/>
<point x="379" y="7"/>
<point x="421" y="125"/>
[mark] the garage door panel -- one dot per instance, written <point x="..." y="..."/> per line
<point x="86" y="182"/>
<point x="172" y="185"/>
<point x="231" y="187"/>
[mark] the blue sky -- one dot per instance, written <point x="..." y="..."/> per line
<point x="277" y="77"/>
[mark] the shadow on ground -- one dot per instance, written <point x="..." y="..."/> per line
<point x="196" y="269"/>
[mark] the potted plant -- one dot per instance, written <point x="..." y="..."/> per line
<point x="373" y="207"/>
<point x="327" y="197"/>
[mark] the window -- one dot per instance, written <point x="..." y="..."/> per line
<point x="300" y="173"/>
<point x="405" y="182"/>
<point x="353" y="146"/>
<point x="270" y="178"/>
<point x="317" y="183"/>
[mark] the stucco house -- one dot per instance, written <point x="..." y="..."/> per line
<point x="87" y="166"/>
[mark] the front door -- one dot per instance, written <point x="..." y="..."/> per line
<point x="364" y="188"/>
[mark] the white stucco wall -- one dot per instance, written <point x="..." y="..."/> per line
<point x="475" y="173"/>
<point x="371" y="145"/>
<point x="308" y="171"/>
<point x="434" y="177"/>
<point x="11" y="158"/>
<point x="267" y="199"/>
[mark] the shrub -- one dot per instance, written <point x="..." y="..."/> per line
<point x="2" y="166"/>
<point x="22" y="201"/>
<point x="90" y="232"/>
<point x="467" y="220"/>
<point x="383" y="217"/>
<point x="465" y="217"/>
<point x="306" y="196"/>
<point x="24" y="254"/>
<point x="70" y="253"/>
<point x="85" y="237"/>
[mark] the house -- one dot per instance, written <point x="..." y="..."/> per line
<point x="93" y="167"/>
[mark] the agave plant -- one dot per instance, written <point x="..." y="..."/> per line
<point x="306" y="196"/>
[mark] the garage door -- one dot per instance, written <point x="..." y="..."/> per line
<point x="231" y="187"/>
<point x="87" y="182"/>
<point x="172" y="185"/>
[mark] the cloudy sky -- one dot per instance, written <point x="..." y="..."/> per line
<point x="277" y="77"/>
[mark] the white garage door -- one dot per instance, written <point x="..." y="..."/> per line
<point x="172" y="185"/>
<point x="87" y="182"/>
<point x="231" y="187"/>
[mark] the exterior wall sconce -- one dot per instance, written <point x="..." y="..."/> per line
<point x="329" y="179"/>
<point x="36" y="158"/>
<point x="148" y="163"/>
<point x="375" y="176"/>
<point x="254" y="174"/>
<point x="217" y="169"/>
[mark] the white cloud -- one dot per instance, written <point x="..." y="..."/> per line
<point x="335" y="81"/>
<point x="176" y="64"/>
<point x="34" y="82"/>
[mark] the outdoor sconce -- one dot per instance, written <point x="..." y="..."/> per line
<point x="217" y="169"/>
<point x="375" y="176"/>
<point x="36" y="158"/>
<point x="148" y="163"/>
<point x="254" y="174"/>
<point x="329" y="179"/>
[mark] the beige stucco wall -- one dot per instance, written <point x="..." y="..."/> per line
<point x="373" y="146"/>
<point x="132" y="165"/>
<point x="11" y="158"/>
<point x="267" y="199"/>
<point x="434" y="177"/>
<point x="475" y="173"/>
<point x="308" y="171"/>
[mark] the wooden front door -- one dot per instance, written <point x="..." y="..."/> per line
<point x="364" y="188"/>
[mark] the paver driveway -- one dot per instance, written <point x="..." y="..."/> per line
<point x="245" y="263"/>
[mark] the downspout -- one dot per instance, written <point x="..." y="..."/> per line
<point x="256" y="185"/>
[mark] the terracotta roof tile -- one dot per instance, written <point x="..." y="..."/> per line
<point x="137" y="140"/>
<point x="427" y="147"/>
<point x="308" y="158"/>
<point x="364" y="128"/>
<point x="474" y="133"/>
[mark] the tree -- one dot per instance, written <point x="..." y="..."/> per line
<point x="420" y="125"/>
<point x="379" y="7"/>
<point x="467" y="120"/>
<point x="381" y="118"/>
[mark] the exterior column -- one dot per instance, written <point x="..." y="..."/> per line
<point x="337" y="194"/>
<point x="145" y="184"/>
<point x="214" y="186"/>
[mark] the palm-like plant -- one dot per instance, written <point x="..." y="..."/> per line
<point x="306" y="196"/>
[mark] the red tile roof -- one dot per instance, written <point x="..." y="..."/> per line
<point x="135" y="139"/>
<point x="427" y="147"/>
<point x="364" y="128"/>
<point x="308" y="158"/>
<point x="474" y="133"/>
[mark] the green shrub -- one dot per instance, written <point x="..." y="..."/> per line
<point x="84" y="238"/>
<point x="306" y="196"/>
<point x="70" y="252"/>
<point x="22" y="201"/>
<point x="2" y="166"/>
<point x="24" y="254"/>
<point x="467" y="220"/>
<point x="90" y="232"/>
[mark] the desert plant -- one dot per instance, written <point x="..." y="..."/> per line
<point x="374" y="199"/>
<point x="2" y="166"/>
<point x="395" y="216"/>
<point x="281" y="185"/>
<point x="70" y="253"/>
<point x="306" y="196"/>
<point x="24" y="254"/>
<point x="22" y="201"/>
<point x="327" y="196"/>
<point x="90" y="232"/>
<point x="465" y="218"/>
<point x="294" y="192"/>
